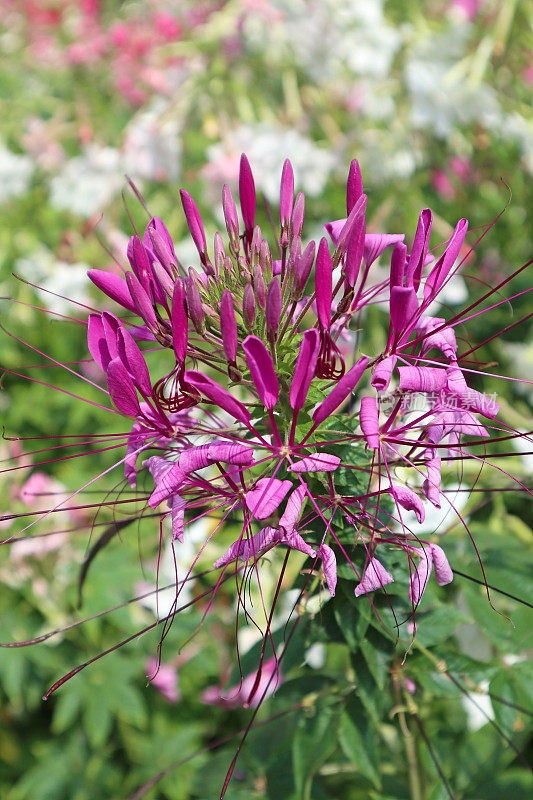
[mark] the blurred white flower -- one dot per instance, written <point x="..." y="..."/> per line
<point x="15" y="174"/>
<point x="88" y="182"/>
<point x="44" y="269"/>
<point x="267" y="147"/>
<point x="441" y="95"/>
<point x="152" y="145"/>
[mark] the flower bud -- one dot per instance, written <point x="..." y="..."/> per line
<point x="302" y="270"/>
<point x="259" y="286"/>
<point x="298" y="214"/>
<point x="228" y="326"/>
<point x="248" y="306"/>
<point x="273" y="309"/>
<point x="194" y="305"/>
<point x="232" y="221"/>
<point x="247" y="196"/>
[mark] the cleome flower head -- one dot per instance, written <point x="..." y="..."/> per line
<point x="257" y="379"/>
<point x="269" y="412"/>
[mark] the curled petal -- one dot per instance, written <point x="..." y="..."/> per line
<point x="262" y="371"/>
<point x="397" y="264"/>
<point x="369" y="421"/>
<point x="177" y="507"/>
<point x="168" y="477"/>
<point x="266" y="497"/>
<point x="96" y="341"/>
<point x="431" y="486"/>
<point x="374" y="577"/>
<point x="329" y="565"/>
<point x="295" y="541"/>
<point x="408" y="500"/>
<point x="403" y="309"/>
<point x="246" y="548"/>
<point x="456" y="382"/>
<point x="419" y="578"/>
<point x="383" y="372"/>
<point x="443" y="571"/>
<point x="422" y="379"/>
<point x="142" y="301"/>
<point x="133" y="360"/>
<point x="316" y="462"/>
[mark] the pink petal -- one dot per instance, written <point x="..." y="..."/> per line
<point x="262" y="371"/>
<point x="409" y="500"/>
<point x="266" y="497"/>
<point x="113" y="286"/>
<point x="354" y="185"/>
<point x="403" y="309"/>
<point x="194" y="221"/>
<point x="443" y="571"/>
<point x="369" y="421"/>
<point x="431" y="486"/>
<point x="374" y="577"/>
<point x="440" y="271"/>
<point x="293" y="508"/>
<point x="419" y="249"/>
<point x="293" y="540"/>
<point x="419" y="578"/>
<point x="168" y="477"/>
<point x="96" y="341"/>
<point x="286" y="197"/>
<point x="180" y="321"/>
<point x="245" y="548"/>
<point x="177" y="506"/>
<point x="316" y="462"/>
<point x="323" y="286"/>
<point x="422" y="379"/>
<point x="341" y="391"/>
<point x="383" y="372"/>
<point x="217" y="395"/>
<point x="304" y="369"/>
<point x="121" y="389"/>
<point x="329" y="565"/>
<point x="376" y="243"/>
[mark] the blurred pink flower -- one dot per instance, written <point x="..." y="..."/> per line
<point x="270" y="676"/>
<point x="164" y="678"/>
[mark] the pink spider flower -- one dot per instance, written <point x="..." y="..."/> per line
<point x="257" y="416"/>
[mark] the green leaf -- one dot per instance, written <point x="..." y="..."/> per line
<point x="314" y="741"/>
<point x="357" y="742"/>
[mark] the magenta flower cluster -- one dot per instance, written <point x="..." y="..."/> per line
<point x="265" y="386"/>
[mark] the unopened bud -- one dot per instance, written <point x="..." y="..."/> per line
<point x="273" y="309"/>
<point x="248" y="306"/>
<point x="259" y="286"/>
